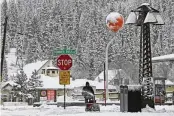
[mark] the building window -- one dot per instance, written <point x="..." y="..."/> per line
<point x="53" y="72"/>
<point x="48" y="71"/>
<point x="43" y="71"/>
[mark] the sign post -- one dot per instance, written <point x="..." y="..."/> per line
<point x="64" y="98"/>
<point x="64" y="63"/>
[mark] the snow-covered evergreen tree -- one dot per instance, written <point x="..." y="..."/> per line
<point x="21" y="80"/>
<point x="4" y="73"/>
<point x="12" y="22"/>
<point x="34" y="82"/>
<point x="80" y="24"/>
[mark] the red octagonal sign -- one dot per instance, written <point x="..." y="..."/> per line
<point x="64" y="62"/>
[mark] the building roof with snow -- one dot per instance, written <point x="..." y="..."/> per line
<point x="53" y="83"/>
<point x="82" y="82"/>
<point x="117" y="73"/>
<point x="134" y="87"/>
<point x="11" y="83"/>
<point x="169" y="57"/>
<point x="168" y="82"/>
<point x="100" y="85"/>
<point x="111" y="75"/>
<point x="51" y="67"/>
<point x="29" y="68"/>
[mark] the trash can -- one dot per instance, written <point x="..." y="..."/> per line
<point x="134" y="98"/>
<point x="30" y="101"/>
<point x="123" y="98"/>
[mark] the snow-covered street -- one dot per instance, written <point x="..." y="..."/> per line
<point x="113" y="110"/>
<point x="87" y="58"/>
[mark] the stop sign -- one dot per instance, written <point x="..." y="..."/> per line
<point x="64" y="62"/>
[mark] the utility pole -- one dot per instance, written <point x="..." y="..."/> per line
<point x="3" y="46"/>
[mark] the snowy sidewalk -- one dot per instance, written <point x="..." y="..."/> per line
<point x="113" y="110"/>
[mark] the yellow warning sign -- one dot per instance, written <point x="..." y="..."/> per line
<point x="64" y="77"/>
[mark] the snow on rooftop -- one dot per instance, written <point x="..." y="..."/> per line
<point x="169" y="57"/>
<point x="134" y="87"/>
<point x="51" y="67"/>
<point x="100" y="85"/>
<point x="12" y="83"/>
<point x="81" y="82"/>
<point x="112" y="74"/>
<point x="168" y="82"/>
<point x="146" y="4"/>
<point x="53" y="83"/>
<point x="29" y="68"/>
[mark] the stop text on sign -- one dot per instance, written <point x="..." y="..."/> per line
<point x="64" y="62"/>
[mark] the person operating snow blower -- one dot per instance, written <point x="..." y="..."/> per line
<point x="87" y="92"/>
<point x="89" y="96"/>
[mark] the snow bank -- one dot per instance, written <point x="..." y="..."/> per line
<point x="61" y="98"/>
<point x="15" y="103"/>
<point x="53" y="110"/>
<point x="148" y="109"/>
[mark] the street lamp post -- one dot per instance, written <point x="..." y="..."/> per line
<point x="143" y="16"/>
<point x="3" y="47"/>
<point x="106" y="66"/>
<point x="114" y="23"/>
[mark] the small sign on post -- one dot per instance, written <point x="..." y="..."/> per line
<point x="64" y="77"/>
